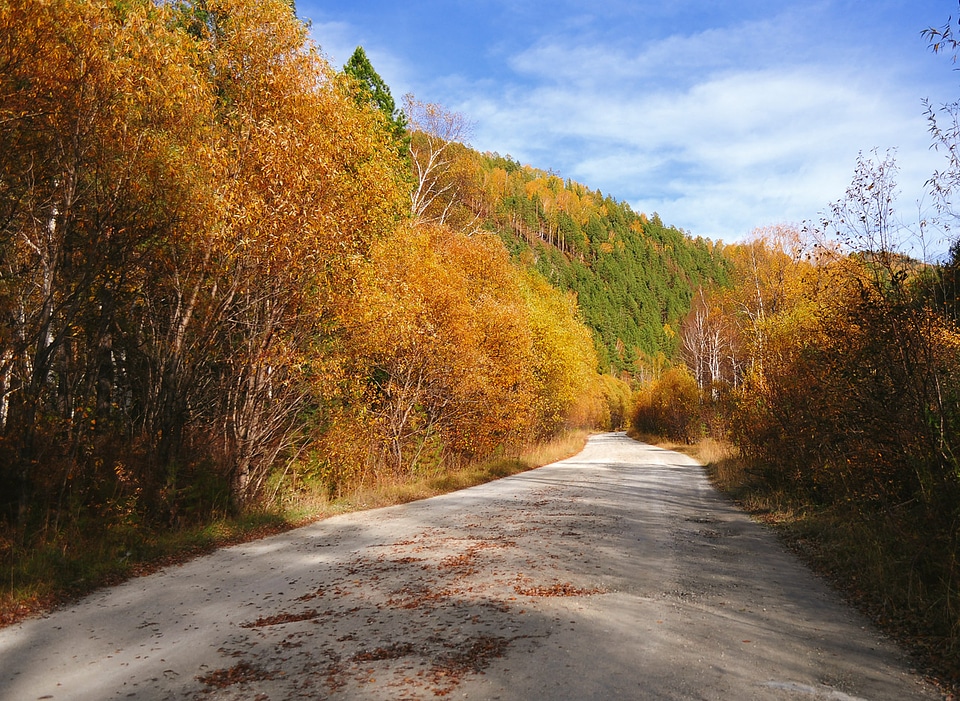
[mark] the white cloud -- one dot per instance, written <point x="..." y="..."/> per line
<point x="734" y="149"/>
<point x="719" y="130"/>
<point x="678" y="59"/>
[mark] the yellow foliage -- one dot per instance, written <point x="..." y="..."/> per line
<point x="564" y="356"/>
<point x="459" y="351"/>
<point x="670" y="406"/>
<point x="606" y="405"/>
<point x="438" y="326"/>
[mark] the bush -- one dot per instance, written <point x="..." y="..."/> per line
<point x="670" y="407"/>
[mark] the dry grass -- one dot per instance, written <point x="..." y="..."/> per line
<point x="564" y="446"/>
<point x="400" y="490"/>
<point x="707" y="451"/>
<point x="37" y="579"/>
<point x="711" y="452"/>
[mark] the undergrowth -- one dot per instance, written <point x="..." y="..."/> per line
<point x="41" y="570"/>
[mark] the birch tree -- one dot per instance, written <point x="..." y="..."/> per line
<point x="435" y="133"/>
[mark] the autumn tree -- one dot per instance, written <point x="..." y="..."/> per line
<point x="906" y="350"/>
<point x="564" y="361"/>
<point x="103" y="153"/>
<point x="670" y="406"/>
<point x="439" y="336"/>
<point x="851" y="391"/>
<point x="707" y="343"/>
<point x="182" y="186"/>
<point x="436" y="135"/>
<point x="310" y="186"/>
<point x="765" y="303"/>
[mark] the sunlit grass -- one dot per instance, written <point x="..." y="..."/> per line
<point x="392" y="490"/>
<point x="561" y="448"/>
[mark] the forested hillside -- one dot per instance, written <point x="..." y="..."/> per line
<point x="633" y="276"/>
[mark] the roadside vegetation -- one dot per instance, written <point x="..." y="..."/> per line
<point x="831" y="367"/>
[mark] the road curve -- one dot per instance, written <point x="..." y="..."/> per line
<point x="617" y="574"/>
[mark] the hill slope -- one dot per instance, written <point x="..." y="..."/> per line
<point x="634" y="276"/>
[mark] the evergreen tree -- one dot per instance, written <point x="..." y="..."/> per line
<point x="373" y="90"/>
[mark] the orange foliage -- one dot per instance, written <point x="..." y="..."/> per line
<point x="438" y="329"/>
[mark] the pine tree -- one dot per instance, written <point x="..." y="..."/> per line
<point x="373" y="90"/>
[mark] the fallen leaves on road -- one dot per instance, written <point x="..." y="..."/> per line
<point x="240" y="673"/>
<point x="556" y="589"/>
<point x="284" y="617"/>
<point x="416" y="615"/>
<point x="391" y="652"/>
<point x="472" y="656"/>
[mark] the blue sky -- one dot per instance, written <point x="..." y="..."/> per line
<point x="720" y="116"/>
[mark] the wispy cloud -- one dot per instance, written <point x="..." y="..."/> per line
<point x="732" y="145"/>
<point x="721" y="118"/>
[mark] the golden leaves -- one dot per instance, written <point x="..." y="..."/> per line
<point x="564" y="357"/>
<point x="439" y="322"/>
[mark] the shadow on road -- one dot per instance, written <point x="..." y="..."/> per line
<point x="619" y="573"/>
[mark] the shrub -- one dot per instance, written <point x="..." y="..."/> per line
<point x="670" y="407"/>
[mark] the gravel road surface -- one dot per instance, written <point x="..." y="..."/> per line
<point x="617" y="574"/>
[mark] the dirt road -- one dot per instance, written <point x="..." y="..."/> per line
<point x="617" y="574"/>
